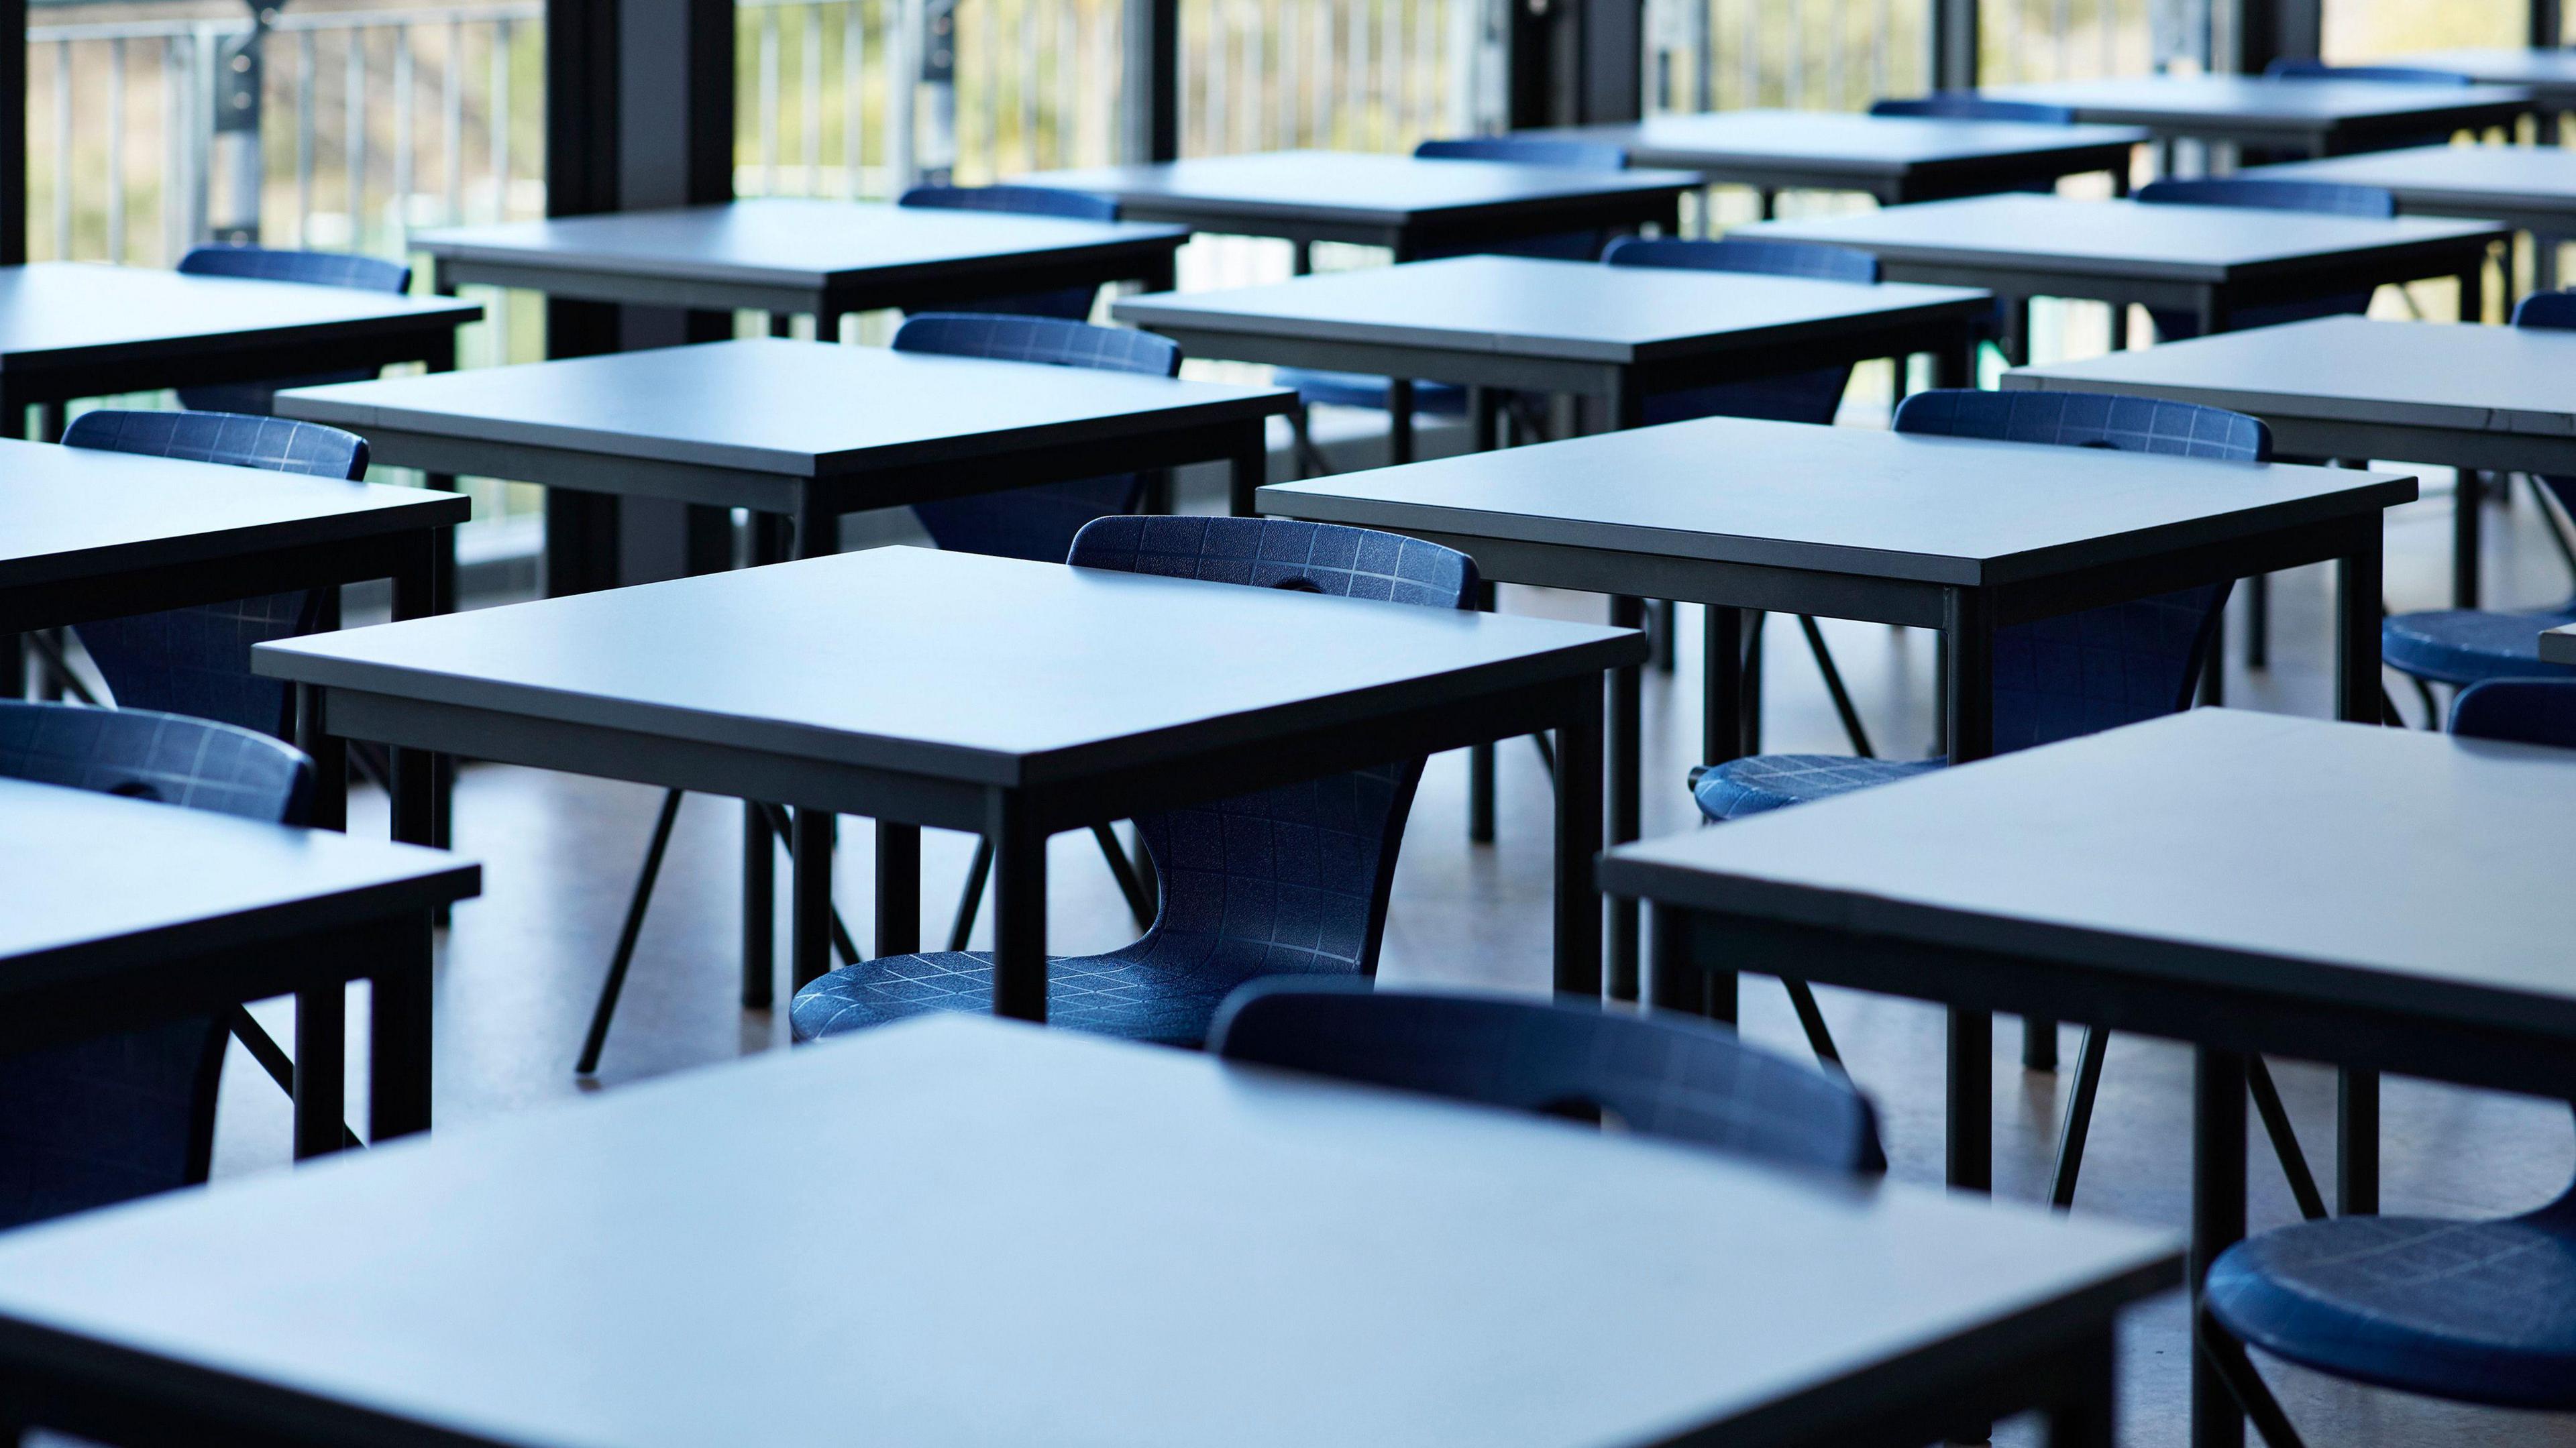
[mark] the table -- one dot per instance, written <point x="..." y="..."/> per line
<point x="2349" y="387"/>
<point x="2529" y="188"/>
<point x="785" y="255"/>
<point x="1007" y="698"/>
<point x="1895" y="159"/>
<point x="2208" y="261"/>
<point x="1507" y="322"/>
<point x="2376" y="899"/>
<point x="88" y="534"/>
<point x="1198" y="1275"/>
<point x="117" y="914"/>
<point x="1416" y="207"/>
<point x="2550" y="75"/>
<point x="1945" y="533"/>
<point x="75" y="329"/>
<point x="2318" y="117"/>
<point x="805" y="431"/>
<point x="2558" y="645"/>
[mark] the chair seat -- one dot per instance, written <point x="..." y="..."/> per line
<point x="1743" y="787"/>
<point x="1358" y="389"/>
<point x="2481" y="1312"/>
<point x="1163" y="989"/>
<point x="2469" y="646"/>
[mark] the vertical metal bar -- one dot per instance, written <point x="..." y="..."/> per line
<point x="768" y="106"/>
<point x="1751" y="49"/>
<point x="1578" y="840"/>
<point x="1213" y="80"/>
<point x="1837" y="41"/>
<point x="171" y="120"/>
<point x="62" y="150"/>
<point x="503" y="36"/>
<point x="1878" y="47"/>
<point x="1019" y="907"/>
<point x="1032" y="56"/>
<point x="452" y="119"/>
<point x="353" y="103"/>
<point x="988" y="72"/>
<point x="1068" y="94"/>
<point x="854" y="55"/>
<point x="1793" y="70"/>
<point x="903" y="99"/>
<point x="2106" y="19"/>
<point x="402" y="132"/>
<point x="116" y="151"/>
<point x="1390" y="72"/>
<point x="304" y="103"/>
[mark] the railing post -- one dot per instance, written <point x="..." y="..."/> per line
<point x="240" y="63"/>
<point x="1150" y="93"/>
<point x="2548" y="24"/>
<point x="935" y="147"/>
<point x="1954" y="44"/>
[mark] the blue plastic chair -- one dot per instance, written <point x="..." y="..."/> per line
<point x="313" y="268"/>
<point x="1663" y="1075"/>
<point x="2290" y="68"/>
<point x="2469" y="1311"/>
<point x="1970" y="106"/>
<point x="1442" y="399"/>
<point x="2331" y="197"/>
<point x="2464" y="646"/>
<point x="1071" y="304"/>
<point x="1285" y="881"/>
<point x="105" y="1121"/>
<point x="197" y="660"/>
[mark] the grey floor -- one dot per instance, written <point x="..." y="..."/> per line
<point x="520" y="965"/>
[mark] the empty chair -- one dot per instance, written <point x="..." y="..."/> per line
<point x="2464" y="646"/>
<point x="313" y="268"/>
<point x="197" y="660"/>
<point x="2330" y="197"/>
<point x="2304" y="68"/>
<point x="1970" y="106"/>
<point x="1441" y="399"/>
<point x="105" y="1121"/>
<point x="1661" y="1075"/>
<point x="1283" y="881"/>
<point x="1072" y="304"/>
<point x="2470" y="1311"/>
<point x="1037" y="523"/>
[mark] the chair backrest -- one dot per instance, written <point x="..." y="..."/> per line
<point x="1661" y="1075"/>
<point x="2551" y="311"/>
<point x="197" y="660"/>
<point x="1814" y="395"/>
<point x="2303" y="68"/>
<point x="313" y="268"/>
<point x="1071" y="304"/>
<point x="1530" y="151"/>
<point x="2103" y="667"/>
<point x="105" y="1121"/>
<point x="2335" y="197"/>
<point x="1037" y="523"/>
<point x="1970" y="106"/>
<point x="1291" y="880"/>
<point x="2523" y="711"/>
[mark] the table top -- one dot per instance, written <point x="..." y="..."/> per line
<point x="2126" y="238"/>
<point x="784" y="241"/>
<point x="90" y="880"/>
<point x="1862" y="144"/>
<point x="2558" y="645"/>
<point x="2151" y="100"/>
<point x="2501" y="64"/>
<point x="1568" y="310"/>
<point x="2350" y="369"/>
<point x="771" y="405"/>
<point x="2386" y="868"/>
<point x="1840" y="499"/>
<point x="1006" y="1235"/>
<point x="952" y="665"/>
<point x="1349" y="187"/>
<point x="57" y="313"/>
<point x="2471" y="179"/>
<point x="70" y="513"/>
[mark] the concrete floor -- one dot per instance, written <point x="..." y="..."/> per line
<point x="519" y="968"/>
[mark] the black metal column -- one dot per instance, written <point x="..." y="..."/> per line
<point x="2270" y="30"/>
<point x="2548" y="23"/>
<point x="1576" y="62"/>
<point x="1954" y="45"/>
<point x="13" y="155"/>
<point x="1150" y="112"/>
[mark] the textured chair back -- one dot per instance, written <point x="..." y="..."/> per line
<point x="1291" y="880"/>
<point x="1970" y="106"/>
<point x="1530" y="151"/>
<point x="1071" y="304"/>
<point x="104" y="1121"/>
<point x="1036" y="523"/>
<point x="2290" y="68"/>
<point x="2551" y="311"/>
<point x="2331" y="197"/>
<point x="197" y="660"/>
<point x="2103" y="667"/>
<point x="2523" y="711"/>
<point x="1812" y="396"/>
<point x="312" y="268"/>
<point x="1661" y="1075"/>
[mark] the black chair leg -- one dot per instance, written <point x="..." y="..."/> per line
<point x="2079" y="1117"/>
<point x="1842" y="698"/>
<point x="1131" y="884"/>
<point x="2388" y="715"/>
<point x="1749" y="724"/>
<point x="970" y="901"/>
<point x="2244" y="1384"/>
<point x="842" y="942"/>
<point x="1311" y="462"/>
<point x="272" y="1058"/>
<point x="1546" y="755"/>
<point x="48" y="644"/>
<point x="2285" y="1140"/>
<point x="2432" y="706"/>
<point x="1138" y="903"/>
<point x="1811" y="1019"/>
<point x="609" y="990"/>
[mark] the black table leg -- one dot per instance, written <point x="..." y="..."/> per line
<point x="1484" y="413"/>
<point x="1578" y="841"/>
<point x="415" y="781"/>
<point x="2086" y="1413"/>
<point x="1721" y="718"/>
<point x="398" y="1037"/>
<point x="898" y="930"/>
<point x="1626" y="743"/>
<point x="759" y="853"/>
<point x="330" y="756"/>
<point x="1019" y="908"/>
<point x="1673" y="982"/>
<point x="2357" y="605"/>
<point x="1399" y="420"/>
<point x="2466" y="525"/>
<point x="809" y="899"/>
<point x="1969" y="667"/>
<point x="1969" y="1101"/>
<point x="1248" y="467"/>
<point x="2217" y="1222"/>
<point x="321" y="1067"/>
